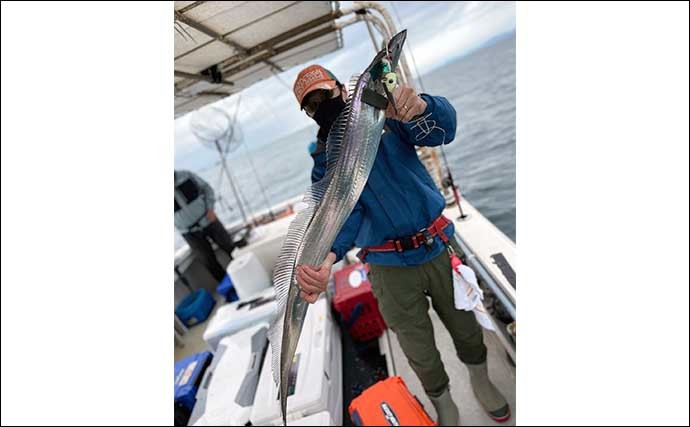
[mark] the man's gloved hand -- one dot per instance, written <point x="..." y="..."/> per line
<point x="313" y="281"/>
<point x="211" y="215"/>
<point x="408" y="103"/>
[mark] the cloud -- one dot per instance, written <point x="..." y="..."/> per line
<point x="447" y="31"/>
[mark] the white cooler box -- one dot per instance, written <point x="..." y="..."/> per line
<point x="227" y="392"/>
<point x="248" y="275"/>
<point x="320" y="419"/>
<point x="316" y="378"/>
<point x="237" y="315"/>
<point x="266" y="242"/>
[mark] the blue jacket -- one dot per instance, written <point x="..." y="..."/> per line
<point x="400" y="197"/>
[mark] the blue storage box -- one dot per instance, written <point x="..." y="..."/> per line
<point x="227" y="289"/>
<point x="188" y="375"/>
<point x="195" y="307"/>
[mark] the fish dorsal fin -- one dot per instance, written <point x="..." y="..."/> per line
<point x="352" y="85"/>
<point x="317" y="191"/>
<point x="282" y="281"/>
<point x="335" y="138"/>
<point x="337" y="132"/>
<point x="284" y="268"/>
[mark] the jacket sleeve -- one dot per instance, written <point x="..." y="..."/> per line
<point x="206" y="191"/>
<point x="319" y="168"/>
<point x="346" y="238"/>
<point x="435" y="126"/>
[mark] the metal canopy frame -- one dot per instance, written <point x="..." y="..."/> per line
<point x="242" y="51"/>
<point x="232" y="65"/>
<point x="219" y="49"/>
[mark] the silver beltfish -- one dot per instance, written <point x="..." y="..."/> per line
<point x="351" y="150"/>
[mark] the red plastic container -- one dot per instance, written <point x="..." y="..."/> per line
<point x="388" y="403"/>
<point x="356" y="303"/>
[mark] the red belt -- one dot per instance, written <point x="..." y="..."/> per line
<point x="424" y="237"/>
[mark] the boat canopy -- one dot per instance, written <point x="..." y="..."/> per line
<point x="223" y="47"/>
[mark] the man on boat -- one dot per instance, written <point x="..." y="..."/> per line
<point x="197" y="221"/>
<point x="399" y="224"/>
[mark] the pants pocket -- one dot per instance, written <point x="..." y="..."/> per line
<point x="376" y="288"/>
<point x="398" y="292"/>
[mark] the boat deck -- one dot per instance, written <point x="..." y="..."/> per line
<point x="501" y="371"/>
<point x="485" y="241"/>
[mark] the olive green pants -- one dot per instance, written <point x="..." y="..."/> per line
<point x="402" y="296"/>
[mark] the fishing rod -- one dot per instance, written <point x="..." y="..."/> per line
<point x="235" y="191"/>
<point x="451" y="183"/>
<point x="258" y="181"/>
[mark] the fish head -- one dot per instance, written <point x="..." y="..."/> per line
<point x="386" y="60"/>
<point x="395" y="47"/>
<point x="380" y="73"/>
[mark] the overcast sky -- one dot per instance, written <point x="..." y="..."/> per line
<point x="437" y="32"/>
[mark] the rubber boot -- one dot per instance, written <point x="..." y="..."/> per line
<point x="488" y="395"/>
<point x="446" y="409"/>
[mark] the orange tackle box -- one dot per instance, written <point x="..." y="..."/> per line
<point x="388" y="403"/>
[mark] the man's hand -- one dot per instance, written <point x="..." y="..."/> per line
<point x="408" y="103"/>
<point x="313" y="281"/>
<point x="211" y="215"/>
